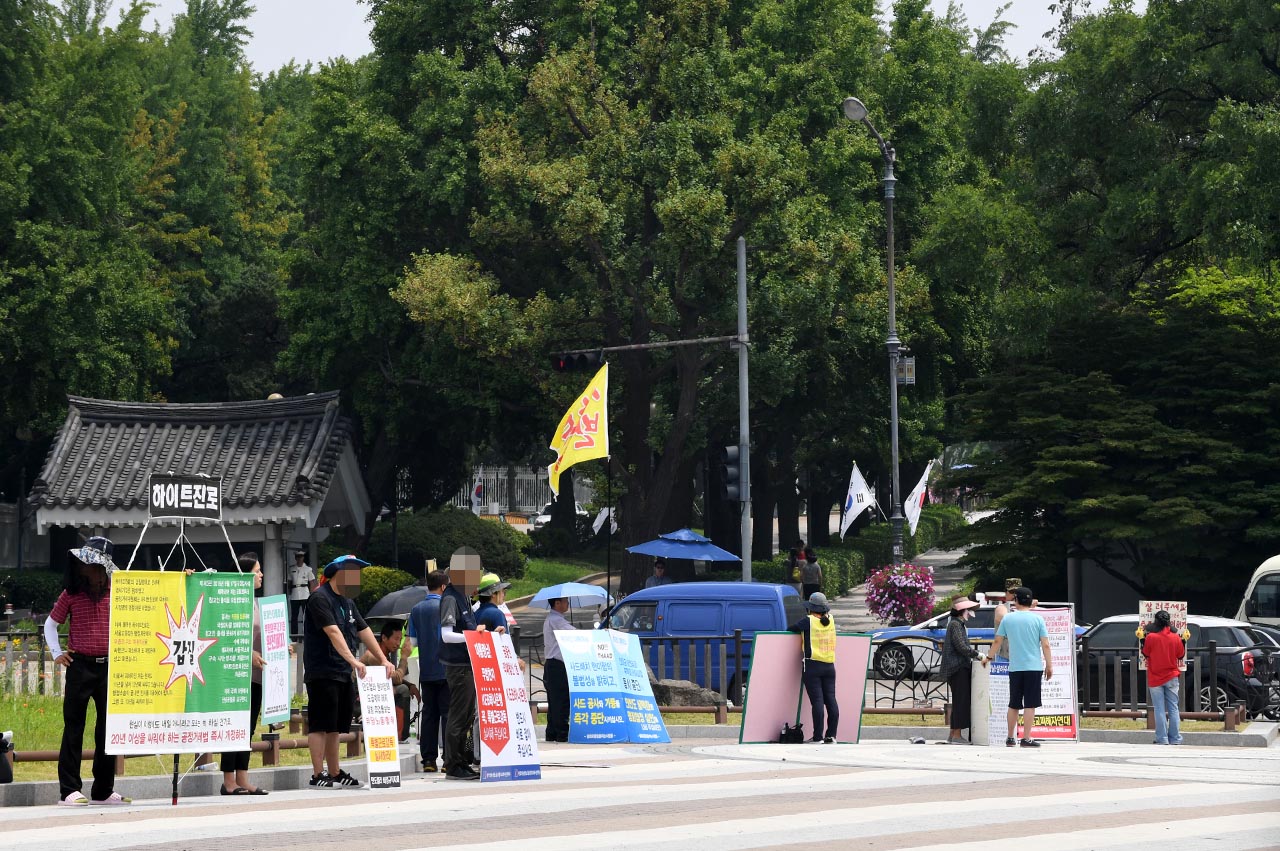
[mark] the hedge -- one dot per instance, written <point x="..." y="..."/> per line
<point x="438" y="534"/>
<point x="377" y="582"/>
<point x="35" y="589"/>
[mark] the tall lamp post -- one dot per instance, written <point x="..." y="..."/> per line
<point x="856" y="110"/>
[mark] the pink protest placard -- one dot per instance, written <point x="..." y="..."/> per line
<point x="775" y="696"/>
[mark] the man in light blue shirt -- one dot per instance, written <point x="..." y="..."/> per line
<point x="1030" y="660"/>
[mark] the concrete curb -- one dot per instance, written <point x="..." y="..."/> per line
<point x="197" y="784"/>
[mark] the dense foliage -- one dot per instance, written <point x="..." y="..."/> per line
<point x="1086" y="256"/>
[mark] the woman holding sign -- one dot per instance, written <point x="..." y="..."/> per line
<point x="818" y="672"/>
<point x="235" y="766"/>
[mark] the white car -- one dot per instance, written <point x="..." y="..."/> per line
<point x="544" y="516"/>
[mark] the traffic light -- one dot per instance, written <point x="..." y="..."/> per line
<point x="731" y="474"/>
<point x="577" y="361"/>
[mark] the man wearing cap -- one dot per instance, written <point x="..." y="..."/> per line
<point x="1030" y="661"/>
<point x="86" y="600"/>
<point x="332" y="633"/>
<point x="490" y="594"/>
<point x="659" y="574"/>
<point x="818" y="665"/>
<point x="424" y="632"/>
<point x="302" y="584"/>
<point x="456" y="618"/>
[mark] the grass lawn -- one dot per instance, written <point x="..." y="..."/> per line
<point x="542" y="572"/>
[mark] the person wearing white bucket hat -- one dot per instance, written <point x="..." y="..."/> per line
<point x="86" y="600"/>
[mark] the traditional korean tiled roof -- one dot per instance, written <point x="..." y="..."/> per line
<point x="268" y="453"/>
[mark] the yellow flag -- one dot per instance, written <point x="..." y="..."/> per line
<point x="583" y="432"/>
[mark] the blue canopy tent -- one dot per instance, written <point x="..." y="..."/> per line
<point x="683" y="543"/>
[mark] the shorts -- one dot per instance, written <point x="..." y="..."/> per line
<point x="329" y="706"/>
<point x="1024" y="689"/>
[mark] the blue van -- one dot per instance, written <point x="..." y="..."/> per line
<point x="667" y="617"/>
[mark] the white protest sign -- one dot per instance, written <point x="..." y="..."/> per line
<point x="378" y="711"/>
<point x="508" y="745"/>
<point x="273" y="622"/>
<point x="1177" y="610"/>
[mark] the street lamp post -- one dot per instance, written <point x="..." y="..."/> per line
<point x="856" y="110"/>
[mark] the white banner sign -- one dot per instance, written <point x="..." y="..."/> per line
<point x="1177" y="610"/>
<point x="508" y="745"/>
<point x="1057" y="717"/>
<point x="378" y="710"/>
<point x="274" y="622"/>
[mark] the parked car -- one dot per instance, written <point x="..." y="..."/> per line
<point x="544" y="516"/>
<point x="905" y="650"/>
<point x="705" y="609"/>
<point x="1261" y="603"/>
<point x="1244" y="666"/>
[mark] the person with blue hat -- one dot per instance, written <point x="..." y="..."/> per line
<point x="333" y="631"/>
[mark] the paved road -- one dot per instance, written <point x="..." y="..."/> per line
<point x="876" y="795"/>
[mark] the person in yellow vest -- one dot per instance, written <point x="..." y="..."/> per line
<point x="818" y="672"/>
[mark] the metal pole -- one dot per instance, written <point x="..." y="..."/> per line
<point x="893" y="344"/>
<point x="744" y="419"/>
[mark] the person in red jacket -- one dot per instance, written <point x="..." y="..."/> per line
<point x="1164" y="650"/>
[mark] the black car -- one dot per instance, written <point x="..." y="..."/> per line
<point x="1244" y="664"/>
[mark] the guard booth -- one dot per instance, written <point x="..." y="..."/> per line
<point x="288" y="468"/>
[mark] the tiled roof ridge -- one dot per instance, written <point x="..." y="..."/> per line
<point x="310" y="405"/>
<point x="115" y="444"/>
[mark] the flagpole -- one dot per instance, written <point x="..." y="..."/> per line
<point x="608" y="552"/>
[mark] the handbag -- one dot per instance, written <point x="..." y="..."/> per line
<point x="791" y="735"/>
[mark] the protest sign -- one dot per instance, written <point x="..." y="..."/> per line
<point x="1057" y="718"/>
<point x="273" y="614"/>
<point x="378" y="717"/>
<point x="180" y="655"/>
<point x="1177" y="610"/>
<point x="596" y="714"/>
<point x="775" y="695"/>
<point x="190" y="497"/>
<point x="508" y="745"/>
<point x="644" y="721"/>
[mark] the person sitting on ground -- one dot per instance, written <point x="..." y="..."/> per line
<point x="391" y="640"/>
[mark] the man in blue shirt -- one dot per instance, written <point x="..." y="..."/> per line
<point x="1030" y="660"/>
<point x="424" y="632"/>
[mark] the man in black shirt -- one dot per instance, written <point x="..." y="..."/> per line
<point x="456" y="618"/>
<point x="332" y="633"/>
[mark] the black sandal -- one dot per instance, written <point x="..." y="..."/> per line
<point x="239" y="790"/>
<point x="255" y="791"/>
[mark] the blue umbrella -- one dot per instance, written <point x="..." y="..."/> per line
<point x="578" y="594"/>
<point x="683" y="543"/>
